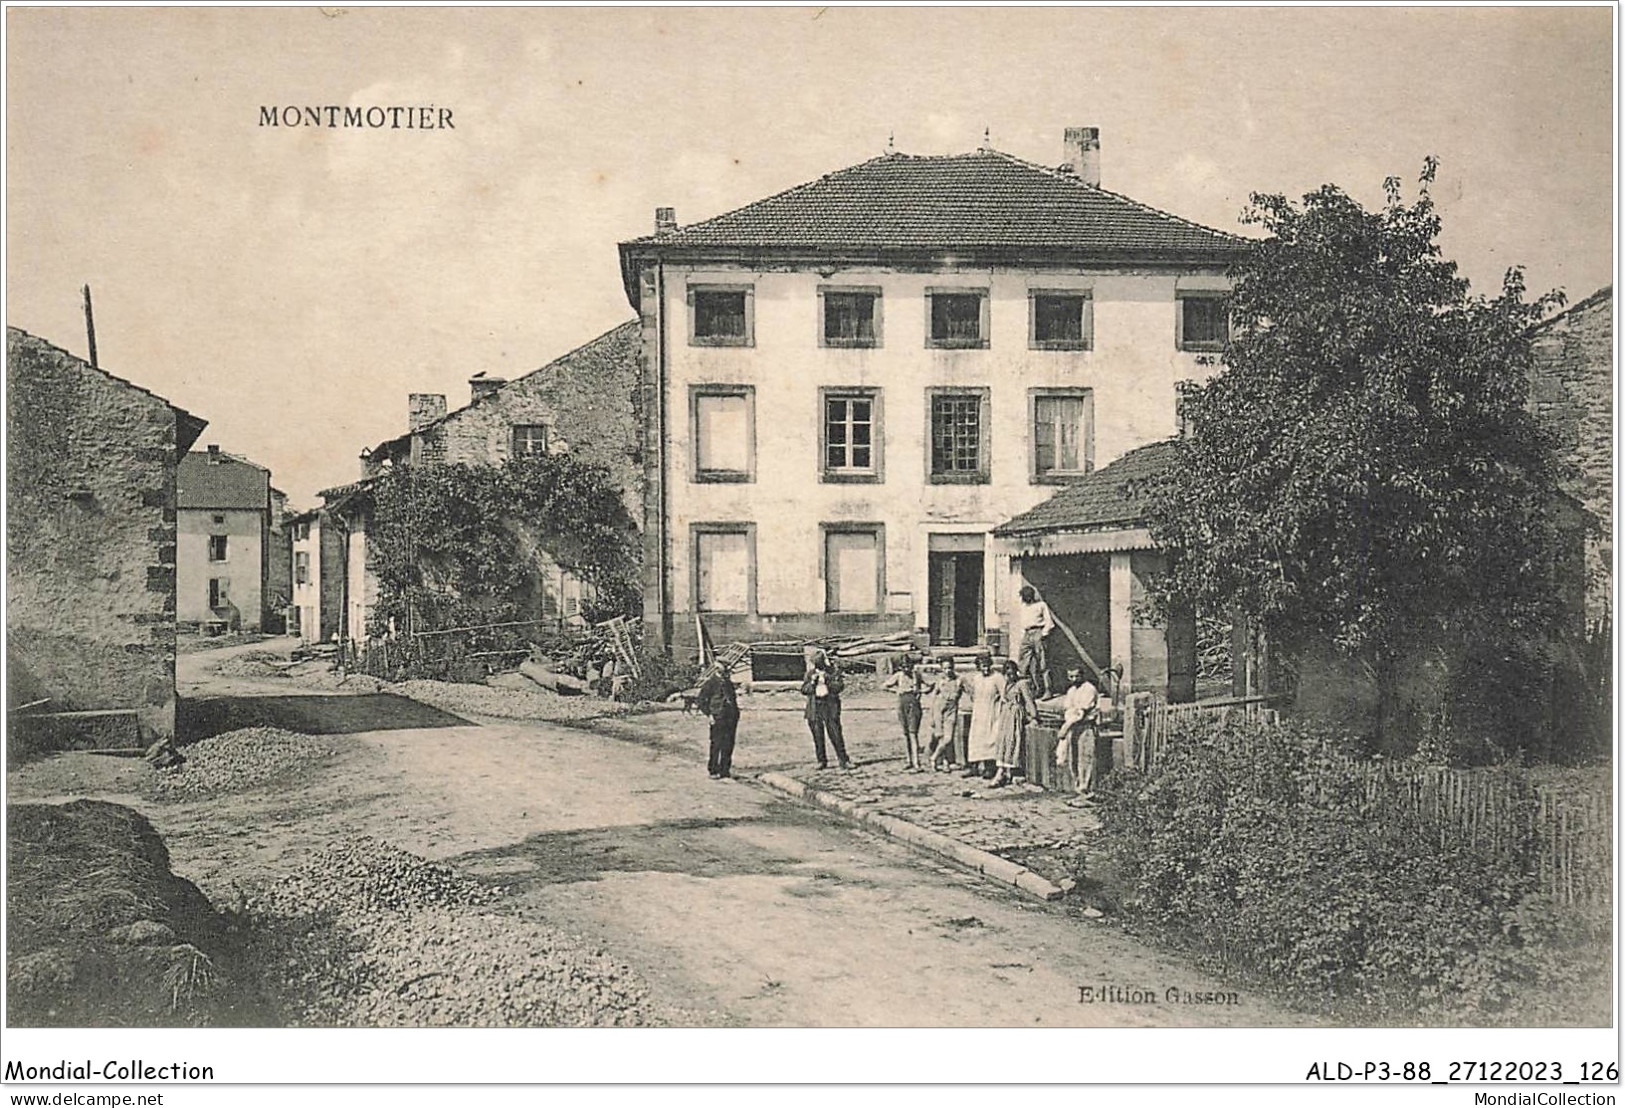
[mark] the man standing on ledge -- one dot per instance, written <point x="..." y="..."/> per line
<point x="1034" y="622"/>
<point x="720" y="700"/>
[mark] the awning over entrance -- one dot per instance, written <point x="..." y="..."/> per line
<point x="1047" y="543"/>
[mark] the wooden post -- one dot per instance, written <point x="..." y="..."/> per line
<point x="90" y="327"/>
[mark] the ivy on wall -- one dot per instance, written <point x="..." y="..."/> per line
<point x="455" y="545"/>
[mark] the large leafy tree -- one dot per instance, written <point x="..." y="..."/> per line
<point x="1363" y="474"/>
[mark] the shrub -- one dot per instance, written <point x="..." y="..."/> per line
<point x="660" y="676"/>
<point x="1257" y="845"/>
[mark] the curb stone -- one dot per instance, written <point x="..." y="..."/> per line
<point x="980" y="861"/>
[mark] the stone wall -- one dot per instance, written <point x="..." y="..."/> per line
<point x="588" y="400"/>
<point x="278" y="566"/>
<point x="90" y="537"/>
<point x="1571" y="392"/>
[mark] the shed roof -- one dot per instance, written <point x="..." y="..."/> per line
<point x="1108" y="498"/>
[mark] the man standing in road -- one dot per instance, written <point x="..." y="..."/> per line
<point x="1034" y="622"/>
<point x="822" y="688"/>
<point x="720" y="700"/>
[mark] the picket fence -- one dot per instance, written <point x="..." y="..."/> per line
<point x="1560" y="832"/>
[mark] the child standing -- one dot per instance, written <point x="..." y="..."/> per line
<point x="945" y="714"/>
<point x="906" y="680"/>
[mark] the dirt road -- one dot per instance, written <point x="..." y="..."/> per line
<point x="737" y="907"/>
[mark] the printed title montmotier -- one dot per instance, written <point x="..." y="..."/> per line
<point x="402" y="117"/>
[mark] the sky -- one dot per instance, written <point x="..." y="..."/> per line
<point x="293" y="286"/>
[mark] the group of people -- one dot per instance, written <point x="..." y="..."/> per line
<point x="979" y="719"/>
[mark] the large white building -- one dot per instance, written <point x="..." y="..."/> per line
<point x="848" y="385"/>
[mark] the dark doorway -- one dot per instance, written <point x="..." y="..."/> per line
<point x="956" y="598"/>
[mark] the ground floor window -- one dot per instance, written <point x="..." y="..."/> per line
<point x="724" y="568"/>
<point x="854" y="568"/>
<point x="219" y="592"/>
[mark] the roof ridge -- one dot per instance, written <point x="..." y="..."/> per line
<point x="890" y="156"/>
<point x="1062" y="175"/>
<point x="527" y="375"/>
<point x="1604" y="293"/>
<point x="104" y="372"/>
<point x="228" y="454"/>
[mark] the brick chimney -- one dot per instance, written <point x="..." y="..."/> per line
<point x="480" y="386"/>
<point x="665" y="220"/>
<point x="423" y="408"/>
<point x="214" y="453"/>
<point x="1083" y="154"/>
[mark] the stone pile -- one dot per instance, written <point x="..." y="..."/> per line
<point x="506" y="702"/>
<point x="235" y="761"/>
<point x="371" y="936"/>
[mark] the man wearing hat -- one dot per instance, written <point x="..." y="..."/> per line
<point x="720" y="700"/>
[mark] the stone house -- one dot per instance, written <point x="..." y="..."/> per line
<point x="278" y="565"/>
<point x="91" y="540"/>
<point x="1572" y="394"/>
<point x="316" y="554"/>
<point x="850" y="384"/>
<point x="223" y="538"/>
<point x="584" y="403"/>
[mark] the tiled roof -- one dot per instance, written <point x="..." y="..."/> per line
<point x="1107" y="498"/>
<point x="983" y="200"/>
<point x="229" y="482"/>
<point x="622" y="342"/>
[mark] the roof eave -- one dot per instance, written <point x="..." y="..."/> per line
<point x="639" y="251"/>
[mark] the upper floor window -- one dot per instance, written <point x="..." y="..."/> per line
<point x="1061" y="319"/>
<point x="1063" y="422"/>
<point x="723" y="424"/>
<point x="850" y="317"/>
<point x="721" y="315"/>
<point x="217" y="548"/>
<point x="1203" y="321"/>
<point x="958" y="318"/>
<point x="529" y="439"/>
<point x="301" y="567"/>
<point x="959" y="436"/>
<point x="851" y="438"/>
<point x="219" y="592"/>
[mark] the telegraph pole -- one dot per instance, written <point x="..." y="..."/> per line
<point x="90" y="328"/>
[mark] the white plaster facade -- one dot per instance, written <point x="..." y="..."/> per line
<point x="239" y="569"/>
<point x="1131" y="372"/>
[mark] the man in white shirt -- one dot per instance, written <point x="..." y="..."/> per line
<point x="1080" y="711"/>
<point x="1034" y="622"/>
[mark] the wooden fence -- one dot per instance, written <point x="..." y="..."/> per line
<point x="1149" y="721"/>
<point x="1561" y="833"/>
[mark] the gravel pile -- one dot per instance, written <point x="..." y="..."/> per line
<point x="251" y="663"/>
<point x="482" y="700"/>
<point x="371" y="936"/>
<point x="235" y="761"/>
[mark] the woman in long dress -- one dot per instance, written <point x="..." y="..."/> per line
<point x="986" y="690"/>
<point x="1017" y="708"/>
